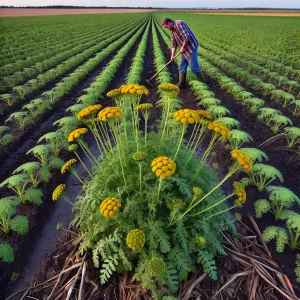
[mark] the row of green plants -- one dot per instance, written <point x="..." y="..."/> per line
<point x="255" y="61"/>
<point x="281" y="97"/>
<point x="76" y="47"/>
<point x="279" y="81"/>
<point x="25" y="183"/>
<point x="20" y="93"/>
<point x="57" y="32"/>
<point x="271" y="117"/>
<point x="280" y="199"/>
<point x="50" y="49"/>
<point x="38" y="107"/>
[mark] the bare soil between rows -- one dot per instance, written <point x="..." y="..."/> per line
<point x="285" y="162"/>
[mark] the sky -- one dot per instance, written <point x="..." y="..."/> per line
<point x="159" y="3"/>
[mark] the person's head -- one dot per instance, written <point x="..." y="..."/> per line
<point x="168" y="23"/>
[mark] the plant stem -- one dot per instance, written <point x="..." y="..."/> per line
<point x="220" y="212"/>
<point x="180" y="141"/>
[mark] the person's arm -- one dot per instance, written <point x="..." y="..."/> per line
<point x="174" y="46"/>
<point x="183" y="28"/>
<point x="182" y="47"/>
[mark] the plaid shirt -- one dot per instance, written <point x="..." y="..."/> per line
<point x="182" y="33"/>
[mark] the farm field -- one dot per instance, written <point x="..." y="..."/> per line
<point x="242" y="143"/>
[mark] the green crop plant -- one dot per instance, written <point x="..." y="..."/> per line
<point x="296" y="111"/>
<point x="254" y="104"/>
<point x="238" y="137"/>
<point x="266" y="114"/>
<point x="22" y="91"/>
<point x="255" y="154"/>
<point x="218" y="111"/>
<point x="262" y="175"/>
<point x="36" y="171"/>
<point x="292" y="136"/>
<point x="5" y="138"/>
<point x="130" y="212"/>
<point x="279" y="122"/>
<point x="22" y="119"/>
<point x="55" y="140"/>
<point x="19" y="183"/>
<point x="289" y="236"/>
<point x="9" y="220"/>
<point x="37" y="107"/>
<point x="229" y="122"/>
<point x="9" y="99"/>
<point x="51" y="96"/>
<point x="208" y="102"/>
<point x="282" y="97"/>
<point x="297" y="269"/>
<point x="6" y="252"/>
<point x="281" y="199"/>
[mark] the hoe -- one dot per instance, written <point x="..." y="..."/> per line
<point x="149" y="80"/>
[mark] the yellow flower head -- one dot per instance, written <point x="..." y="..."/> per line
<point x="169" y="88"/>
<point x="68" y="165"/>
<point x="220" y="128"/>
<point x="140" y="156"/>
<point x="113" y="93"/>
<point x="197" y="191"/>
<point x="75" y="134"/>
<point x="163" y="167"/>
<point x="243" y="159"/>
<point x="156" y="266"/>
<point x="134" y="89"/>
<point x="187" y="116"/>
<point x="59" y="190"/>
<point x="202" y="240"/>
<point x="240" y="192"/>
<point x="144" y="106"/>
<point x="88" y="112"/>
<point x="204" y="114"/>
<point x="136" y="239"/>
<point x="113" y="113"/>
<point x="109" y="207"/>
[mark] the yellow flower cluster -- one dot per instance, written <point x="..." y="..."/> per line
<point x="110" y="206"/>
<point x="113" y="93"/>
<point x="204" y="114"/>
<point x="134" y="89"/>
<point x="144" y="106"/>
<point x="136" y="239"/>
<point x="197" y="191"/>
<point x="59" y="190"/>
<point x="187" y="116"/>
<point x="243" y="159"/>
<point x="202" y="240"/>
<point x="163" y="167"/>
<point x="169" y="87"/>
<point x="220" y="128"/>
<point x="67" y="165"/>
<point x="156" y="266"/>
<point x="110" y="113"/>
<point x="240" y="191"/>
<point x="93" y="109"/>
<point x="75" y="134"/>
<point x="140" y="156"/>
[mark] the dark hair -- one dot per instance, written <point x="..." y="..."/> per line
<point x="166" y="20"/>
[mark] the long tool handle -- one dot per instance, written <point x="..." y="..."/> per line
<point x="164" y="67"/>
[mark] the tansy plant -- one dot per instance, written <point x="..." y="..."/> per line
<point x="140" y="211"/>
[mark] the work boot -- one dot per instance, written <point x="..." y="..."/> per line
<point x="200" y="76"/>
<point x="182" y="80"/>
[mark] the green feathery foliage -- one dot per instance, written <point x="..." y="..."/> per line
<point x="292" y="136"/>
<point x="208" y="102"/>
<point x="277" y="233"/>
<point x="238" y="138"/>
<point x="218" y="111"/>
<point x="5" y="139"/>
<point x="6" y="252"/>
<point x="255" y="154"/>
<point x="229" y="122"/>
<point x="297" y="269"/>
<point x="254" y="104"/>
<point x="261" y="207"/>
<point x="262" y="175"/>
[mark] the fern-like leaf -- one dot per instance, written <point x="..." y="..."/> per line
<point x="278" y="233"/>
<point x="255" y="154"/>
<point x="108" y="267"/>
<point x="206" y="259"/>
<point x="261" y="207"/>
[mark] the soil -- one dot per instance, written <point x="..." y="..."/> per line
<point x="44" y="217"/>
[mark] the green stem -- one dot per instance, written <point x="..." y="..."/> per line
<point x="159" y="188"/>
<point x="212" y="206"/>
<point x="83" y="164"/>
<point x="66" y="199"/>
<point x="140" y="166"/>
<point x="180" y="141"/>
<point x="166" y="118"/>
<point x="220" y="212"/>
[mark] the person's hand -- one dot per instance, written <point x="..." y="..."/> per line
<point x="172" y="57"/>
<point x="181" y="50"/>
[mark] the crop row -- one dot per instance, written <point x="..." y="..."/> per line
<point x="27" y="177"/>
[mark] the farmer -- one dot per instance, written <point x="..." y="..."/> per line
<point x="183" y="37"/>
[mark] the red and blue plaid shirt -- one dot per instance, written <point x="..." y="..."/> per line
<point x="182" y="33"/>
